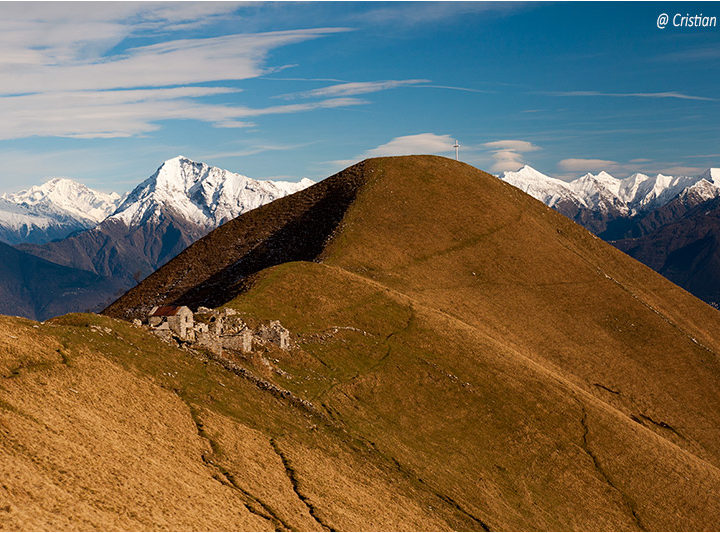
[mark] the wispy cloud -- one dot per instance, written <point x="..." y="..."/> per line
<point x="253" y="150"/>
<point x="352" y="88"/>
<point x="692" y="54"/>
<point x="229" y="57"/>
<point x="125" y="113"/>
<point x="453" y="88"/>
<point x="64" y="69"/>
<point x="667" y="94"/>
<point x="588" y="165"/>
<point x="682" y="170"/>
<point x="273" y="78"/>
<point x="508" y="154"/>
<point x="412" y="14"/>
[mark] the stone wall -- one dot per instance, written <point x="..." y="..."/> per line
<point x="241" y="342"/>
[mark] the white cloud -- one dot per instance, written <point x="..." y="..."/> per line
<point x="178" y="62"/>
<point x="59" y="32"/>
<point x="422" y="143"/>
<point x="517" y="146"/>
<point x="419" y="144"/>
<point x="353" y="88"/>
<point x="508" y="154"/>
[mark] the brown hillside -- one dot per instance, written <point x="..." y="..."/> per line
<point x="104" y="427"/>
<point x="463" y="358"/>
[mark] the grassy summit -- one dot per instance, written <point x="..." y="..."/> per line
<point x="464" y="358"/>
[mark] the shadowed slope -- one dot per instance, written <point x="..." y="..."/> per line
<point x="214" y="269"/>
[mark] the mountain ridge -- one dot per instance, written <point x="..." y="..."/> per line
<point x="39" y="289"/>
<point x="182" y="201"/>
<point x="202" y="194"/>
<point x="629" y="196"/>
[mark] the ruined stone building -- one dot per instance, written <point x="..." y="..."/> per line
<point x="177" y="319"/>
<point x="276" y="334"/>
<point x="215" y="330"/>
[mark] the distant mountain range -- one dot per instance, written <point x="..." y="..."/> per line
<point x="36" y="288"/>
<point x="124" y="240"/>
<point x="670" y="223"/>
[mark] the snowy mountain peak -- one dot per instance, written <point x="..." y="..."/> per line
<point x="604" y="193"/>
<point x="52" y="211"/>
<point x="201" y="194"/>
<point x="65" y="198"/>
<point x="540" y="186"/>
<point x="699" y="192"/>
<point x="589" y="181"/>
<point x="528" y="173"/>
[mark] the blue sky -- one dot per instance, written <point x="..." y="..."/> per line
<point x="105" y="92"/>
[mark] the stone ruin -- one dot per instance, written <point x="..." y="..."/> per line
<point x="215" y="330"/>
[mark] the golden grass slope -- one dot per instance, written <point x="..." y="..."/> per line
<point x="111" y="429"/>
<point x="513" y="443"/>
<point x="471" y="359"/>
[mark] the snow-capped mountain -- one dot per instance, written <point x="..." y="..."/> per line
<point x="52" y="211"/>
<point x="712" y="175"/>
<point x="200" y="194"/>
<point x="19" y="224"/>
<point x="549" y="191"/>
<point x="605" y="193"/>
<point x="599" y="192"/>
<point x="606" y="205"/>
<point x="180" y="203"/>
